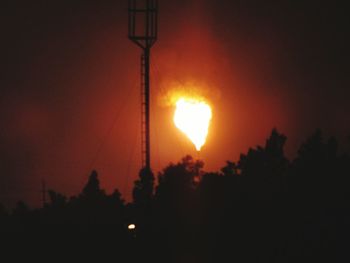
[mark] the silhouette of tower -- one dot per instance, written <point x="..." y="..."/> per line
<point x="143" y="24"/>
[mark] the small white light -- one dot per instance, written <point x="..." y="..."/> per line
<point x="131" y="227"/>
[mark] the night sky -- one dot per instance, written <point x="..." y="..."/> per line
<point x="70" y="95"/>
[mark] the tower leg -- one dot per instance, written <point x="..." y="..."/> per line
<point x="147" y="109"/>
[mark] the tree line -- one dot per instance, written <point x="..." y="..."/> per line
<point x="262" y="208"/>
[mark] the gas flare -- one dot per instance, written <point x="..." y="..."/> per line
<point x="192" y="117"/>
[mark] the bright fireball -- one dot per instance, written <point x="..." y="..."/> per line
<point x="193" y="118"/>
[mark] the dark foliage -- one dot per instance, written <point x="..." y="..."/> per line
<point x="262" y="208"/>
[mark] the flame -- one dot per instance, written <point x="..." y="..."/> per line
<point x="192" y="117"/>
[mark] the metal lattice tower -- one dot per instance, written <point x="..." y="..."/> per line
<point x="143" y="31"/>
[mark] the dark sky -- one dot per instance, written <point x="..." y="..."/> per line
<point x="70" y="95"/>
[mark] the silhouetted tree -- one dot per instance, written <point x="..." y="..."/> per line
<point x="115" y="199"/>
<point x="21" y="209"/>
<point x="262" y="208"/>
<point x="267" y="161"/>
<point x="264" y="169"/>
<point x="230" y="169"/>
<point x="178" y="180"/>
<point x="92" y="190"/>
<point x="315" y="170"/>
<point x="56" y="199"/>
<point x="93" y="209"/>
<point x="175" y="203"/>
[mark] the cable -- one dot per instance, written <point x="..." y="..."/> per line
<point x="109" y="131"/>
